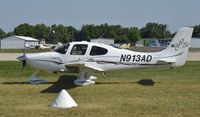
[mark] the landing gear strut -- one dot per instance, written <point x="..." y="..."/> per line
<point x="33" y="79"/>
<point x="85" y="77"/>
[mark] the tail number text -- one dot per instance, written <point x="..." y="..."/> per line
<point x="135" y="58"/>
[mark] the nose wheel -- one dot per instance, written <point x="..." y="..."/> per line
<point x="85" y="77"/>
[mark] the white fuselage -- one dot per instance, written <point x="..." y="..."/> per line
<point x="111" y="59"/>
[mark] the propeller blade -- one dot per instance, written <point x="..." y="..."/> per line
<point x="23" y="64"/>
<point x="23" y="60"/>
<point x="23" y="57"/>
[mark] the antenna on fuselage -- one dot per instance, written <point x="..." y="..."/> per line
<point x="101" y="36"/>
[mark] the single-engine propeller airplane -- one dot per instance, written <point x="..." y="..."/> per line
<point x="86" y="57"/>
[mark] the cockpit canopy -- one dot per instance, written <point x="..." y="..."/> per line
<point x="80" y="49"/>
<point x="62" y="49"/>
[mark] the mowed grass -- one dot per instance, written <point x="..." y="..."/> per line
<point x="152" y="92"/>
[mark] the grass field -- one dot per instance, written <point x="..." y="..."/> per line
<point x="156" y="92"/>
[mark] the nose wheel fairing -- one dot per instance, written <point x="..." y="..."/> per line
<point x="85" y="77"/>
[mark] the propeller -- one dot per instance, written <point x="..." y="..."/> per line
<point x="23" y="58"/>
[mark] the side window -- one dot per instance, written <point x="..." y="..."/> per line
<point x="98" y="51"/>
<point x="79" y="49"/>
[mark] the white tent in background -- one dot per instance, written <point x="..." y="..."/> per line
<point x="64" y="100"/>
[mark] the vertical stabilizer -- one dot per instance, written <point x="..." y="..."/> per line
<point x="177" y="51"/>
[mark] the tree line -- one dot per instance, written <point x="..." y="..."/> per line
<point x="60" y="33"/>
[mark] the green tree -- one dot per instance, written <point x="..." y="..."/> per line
<point x="196" y="32"/>
<point x="133" y="35"/>
<point x="87" y="32"/>
<point x="116" y="32"/>
<point x="112" y="34"/>
<point x="122" y="39"/>
<point x="61" y="33"/>
<point x="2" y="34"/>
<point x="154" y="30"/>
<point x="100" y="31"/>
<point x="24" y="30"/>
<point x="41" y="31"/>
<point x="72" y="33"/>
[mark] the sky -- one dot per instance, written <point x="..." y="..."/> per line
<point x="127" y="13"/>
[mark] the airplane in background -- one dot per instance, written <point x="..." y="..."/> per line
<point x="87" y="57"/>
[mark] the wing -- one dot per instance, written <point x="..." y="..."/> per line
<point x="91" y="65"/>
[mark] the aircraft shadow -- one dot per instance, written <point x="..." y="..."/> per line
<point x="143" y="82"/>
<point x="64" y="82"/>
<point x="146" y="82"/>
<point x="67" y="82"/>
<point x="10" y="83"/>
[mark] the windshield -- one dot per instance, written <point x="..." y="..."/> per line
<point x="62" y="49"/>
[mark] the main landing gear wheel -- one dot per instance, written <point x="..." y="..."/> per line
<point x="85" y="77"/>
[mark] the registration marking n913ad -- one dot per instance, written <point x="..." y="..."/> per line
<point x="135" y="58"/>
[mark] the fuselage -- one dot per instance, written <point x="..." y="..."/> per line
<point x="107" y="57"/>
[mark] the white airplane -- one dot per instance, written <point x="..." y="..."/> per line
<point x="86" y="57"/>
